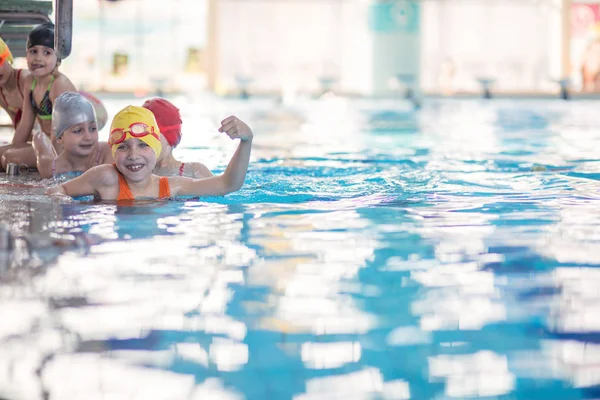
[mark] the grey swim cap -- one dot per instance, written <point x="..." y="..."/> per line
<point x="70" y="109"/>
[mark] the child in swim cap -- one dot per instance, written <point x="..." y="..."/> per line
<point x="135" y="145"/>
<point x="75" y="127"/>
<point x="42" y="87"/>
<point x="169" y="122"/>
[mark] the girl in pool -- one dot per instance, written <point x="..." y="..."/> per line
<point x="75" y="128"/>
<point x="42" y="88"/>
<point x="169" y="122"/>
<point x="135" y="145"/>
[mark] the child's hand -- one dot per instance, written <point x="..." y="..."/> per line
<point x="38" y="135"/>
<point x="236" y="129"/>
<point x="57" y="191"/>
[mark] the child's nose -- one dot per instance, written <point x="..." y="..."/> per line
<point x="133" y="152"/>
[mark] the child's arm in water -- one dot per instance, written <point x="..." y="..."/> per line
<point x="44" y="153"/>
<point x="235" y="173"/>
<point x="101" y="182"/>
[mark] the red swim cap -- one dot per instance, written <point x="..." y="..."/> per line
<point x="168" y="119"/>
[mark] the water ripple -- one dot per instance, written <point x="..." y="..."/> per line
<point x="373" y="252"/>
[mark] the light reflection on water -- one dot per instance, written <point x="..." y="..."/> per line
<point x="374" y="252"/>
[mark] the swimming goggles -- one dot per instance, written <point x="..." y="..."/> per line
<point x="136" y="130"/>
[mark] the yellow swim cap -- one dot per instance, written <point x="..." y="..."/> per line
<point x="5" y="54"/>
<point x="135" y="122"/>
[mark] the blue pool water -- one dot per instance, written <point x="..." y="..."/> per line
<point x="374" y="252"/>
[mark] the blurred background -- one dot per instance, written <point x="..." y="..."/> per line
<point x="354" y="47"/>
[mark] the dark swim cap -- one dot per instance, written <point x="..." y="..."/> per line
<point x="41" y="35"/>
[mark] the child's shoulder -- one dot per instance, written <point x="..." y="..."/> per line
<point x="60" y="77"/>
<point x="26" y="78"/>
<point x="105" y="174"/>
<point x="105" y="153"/>
<point x="24" y="74"/>
<point x="62" y="84"/>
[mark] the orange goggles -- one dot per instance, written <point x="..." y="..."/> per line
<point x="4" y="56"/>
<point x="136" y="130"/>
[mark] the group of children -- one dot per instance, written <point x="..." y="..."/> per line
<point x="137" y="162"/>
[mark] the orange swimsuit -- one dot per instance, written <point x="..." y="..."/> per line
<point x="125" y="193"/>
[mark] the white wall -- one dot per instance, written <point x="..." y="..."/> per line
<point x="517" y="42"/>
<point x="154" y="36"/>
<point x="286" y="46"/>
<point x="290" y="45"/>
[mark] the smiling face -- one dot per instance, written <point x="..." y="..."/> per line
<point x="80" y="139"/>
<point x="135" y="159"/>
<point x="41" y="60"/>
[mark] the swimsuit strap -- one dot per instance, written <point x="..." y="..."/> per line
<point x="124" y="190"/>
<point x="163" y="187"/>
<point x="181" y="169"/>
<point x="34" y="83"/>
<point x="44" y="110"/>
<point x="50" y="84"/>
<point x="18" y="81"/>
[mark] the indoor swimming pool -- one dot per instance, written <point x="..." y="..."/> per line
<point x="374" y="252"/>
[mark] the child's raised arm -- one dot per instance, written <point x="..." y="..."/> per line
<point x="235" y="173"/>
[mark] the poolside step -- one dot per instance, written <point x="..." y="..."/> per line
<point x="18" y="17"/>
<point x="26" y="6"/>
